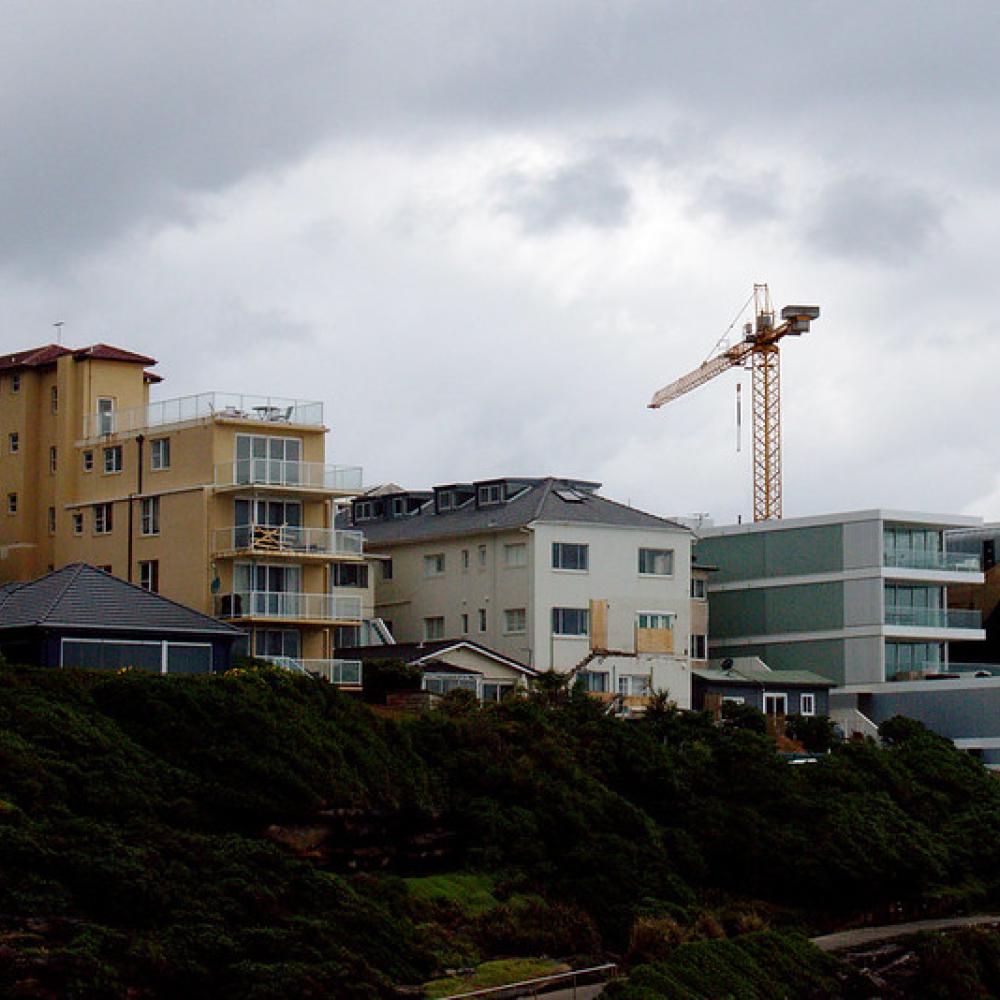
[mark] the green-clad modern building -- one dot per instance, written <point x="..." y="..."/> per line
<point x="861" y="597"/>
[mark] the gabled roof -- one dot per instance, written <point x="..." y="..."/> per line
<point x="550" y="499"/>
<point x="431" y="651"/>
<point x="40" y="357"/>
<point x="79" y="596"/>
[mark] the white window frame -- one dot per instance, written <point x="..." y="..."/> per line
<point x="656" y="553"/>
<point x="434" y="565"/>
<point x="653" y="621"/>
<point x="104" y="518"/>
<point x="78" y="522"/>
<point x="465" y="560"/>
<point x="557" y="623"/>
<point x="807" y="703"/>
<point x="159" y="449"/>
<point x="149" y="516"/>
<point x="695" y="643"/>
<point x="105" y="415"/>
<point x="164" y="644"/>
<point x="558" y="556"/>
<point x="482" y="556"/>
<point x="430" y="631"/>
<point x="775" y="696"/>
<point x="116" y="454"/>
<point x="149" y="574"/>
<point x="515" y="554"/>
<point x="698" y="584"/>
<point x="88" y="460"/>
<point x="488" y="496"/>
<point x="519" y="616"/>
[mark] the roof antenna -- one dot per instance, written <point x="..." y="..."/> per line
<point x="59" y="327"/>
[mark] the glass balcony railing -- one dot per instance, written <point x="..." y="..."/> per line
<point x="933" y="617"/>
<point x="993" y="669"/>
<point x="269" y="604"/>
<point x="285" y="539"/>
<point x="951" y="562"/>
<point x="345" y="673"/>
<point x="299" y="475"/>
<point x="215" y="405"/>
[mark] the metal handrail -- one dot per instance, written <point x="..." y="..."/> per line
<point x="336" y="671"/>
<point x="289" y="538"/>
<point x="288" y="604"/>
<point x="529" y="987"/>
<point x="933" y="617"/>
<point x="279" y="472"/>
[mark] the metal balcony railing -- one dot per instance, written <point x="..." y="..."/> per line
<point x="276" y="472"/>
<point x="933" y="617"/>
<point x="267" y="604"/>
<point x="205" y="405"/>
<point x="287" y="539"/>
<point x="951" y="562"/>
<point x="340" y="672"/>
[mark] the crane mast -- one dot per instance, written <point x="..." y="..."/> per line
<point x="759" y="352"/>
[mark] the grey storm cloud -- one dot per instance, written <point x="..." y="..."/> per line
<point x="590" y="192"/>
<point x="875" y="218"/>
<point x="742" y="200"/>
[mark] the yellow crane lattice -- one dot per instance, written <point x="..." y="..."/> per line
<point x="759" y="352"/>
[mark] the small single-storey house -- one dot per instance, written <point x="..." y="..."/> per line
<point x="749" y="681"/>
<point x="80" y="616"/>
<point x="448" y="664"/>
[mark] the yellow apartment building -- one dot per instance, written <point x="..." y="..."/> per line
<point x="222" y="502"/>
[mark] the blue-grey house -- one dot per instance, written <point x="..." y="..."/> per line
<point x="80" y="616"/>
<point x="750" y="682"/>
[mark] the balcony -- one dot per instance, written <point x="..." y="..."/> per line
<point x="285" y="540"/>
<point x="290" y="607"/>
<point x="933" y="618"/>
<point x="342" y="673"/>
<point x="949" y="562"/>
<point x="302" y="477"/>
<point x="205" y="406"/>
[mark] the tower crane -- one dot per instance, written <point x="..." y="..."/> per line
<point x="758" y="351"/>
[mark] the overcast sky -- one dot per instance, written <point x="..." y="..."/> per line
<point x="484" y="233"/>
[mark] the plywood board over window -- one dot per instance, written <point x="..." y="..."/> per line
<point x="598" y="624"/>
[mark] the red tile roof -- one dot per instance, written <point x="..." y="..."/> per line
<point x="40" y="357"/>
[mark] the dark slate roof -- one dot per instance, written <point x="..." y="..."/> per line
<point x="540" y="502"/>
<point x="411" y="652"/>
<point x="82" y="597"/>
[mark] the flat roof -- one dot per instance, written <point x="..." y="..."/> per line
<point x="874" y="514"/>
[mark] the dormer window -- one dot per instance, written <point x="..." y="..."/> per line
<point x="446" y="500"/>
<point x="490" y="494"/>
<point x="398" y="506"/>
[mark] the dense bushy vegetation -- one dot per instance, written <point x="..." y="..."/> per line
<point x="244" y="836"/>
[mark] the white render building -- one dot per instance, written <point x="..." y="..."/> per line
<point x="542" y="570"/>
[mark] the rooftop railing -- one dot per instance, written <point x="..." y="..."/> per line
<point x="286" y="539"/>
<point x="307" y="607"/>
<point x="278" y="472"/>
<point x="952" y="562"/>
<point x="345" y="673"/>
<point x="933" y="617"/>
<point x="205" y="405"/>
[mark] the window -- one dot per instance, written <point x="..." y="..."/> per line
<point x="113" y="459"/>
<point x="516" y="554"/>
<point x="465" y="559"/>
<point x="496" y="690"/>
<point x="13" y="442"/>
<point x="149" y="519"/>
<point x="570" y="555"/>
<point x="699" y="647"/>
<point x="345" y="636"/>
<point x="54" y="399"/>
<point x="77" y="523"/>
<point x="15" y="383"/>
<point x="482" y="555"/>
<point x="149" y="575"/>
<point x="350" y="575"/>
<point x="490" y="495"/>
<point x="434" y="628"/>
<point x="482" y="619"/>
<point x="807" y="704"/>
<point x="465" y="624"/>
<point x="52" y="520"/>
<point x="776" y="704"/>
<point x="699" y="589"/>
<point x="88" y="461"/>
<point x="386" y="569"/>
<point x="53" y="459"/>
<point x="11" y="503"/>
<point x="105" y="415"/>
<point x="515" y="621"/>
<point x="276" y="461"/>
<point x="159" y="453"/>
<point x="434" y="564"/>
<point x="633" y="684"/>
<point x="655" y="619"/>
<point x="364" y="510"/>
<point x="656" y="562"/>
<point x="571" y="621"/>
<point x="103" y="518"/>
<point x="592" y="682"/>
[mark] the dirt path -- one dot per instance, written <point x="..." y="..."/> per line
<point x="843" y="940"/>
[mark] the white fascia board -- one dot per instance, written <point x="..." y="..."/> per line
<point x="941" y="576"/>
<point x="927" y="632"/>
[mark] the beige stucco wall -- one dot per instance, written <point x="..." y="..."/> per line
<point x="491" y="669"/>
